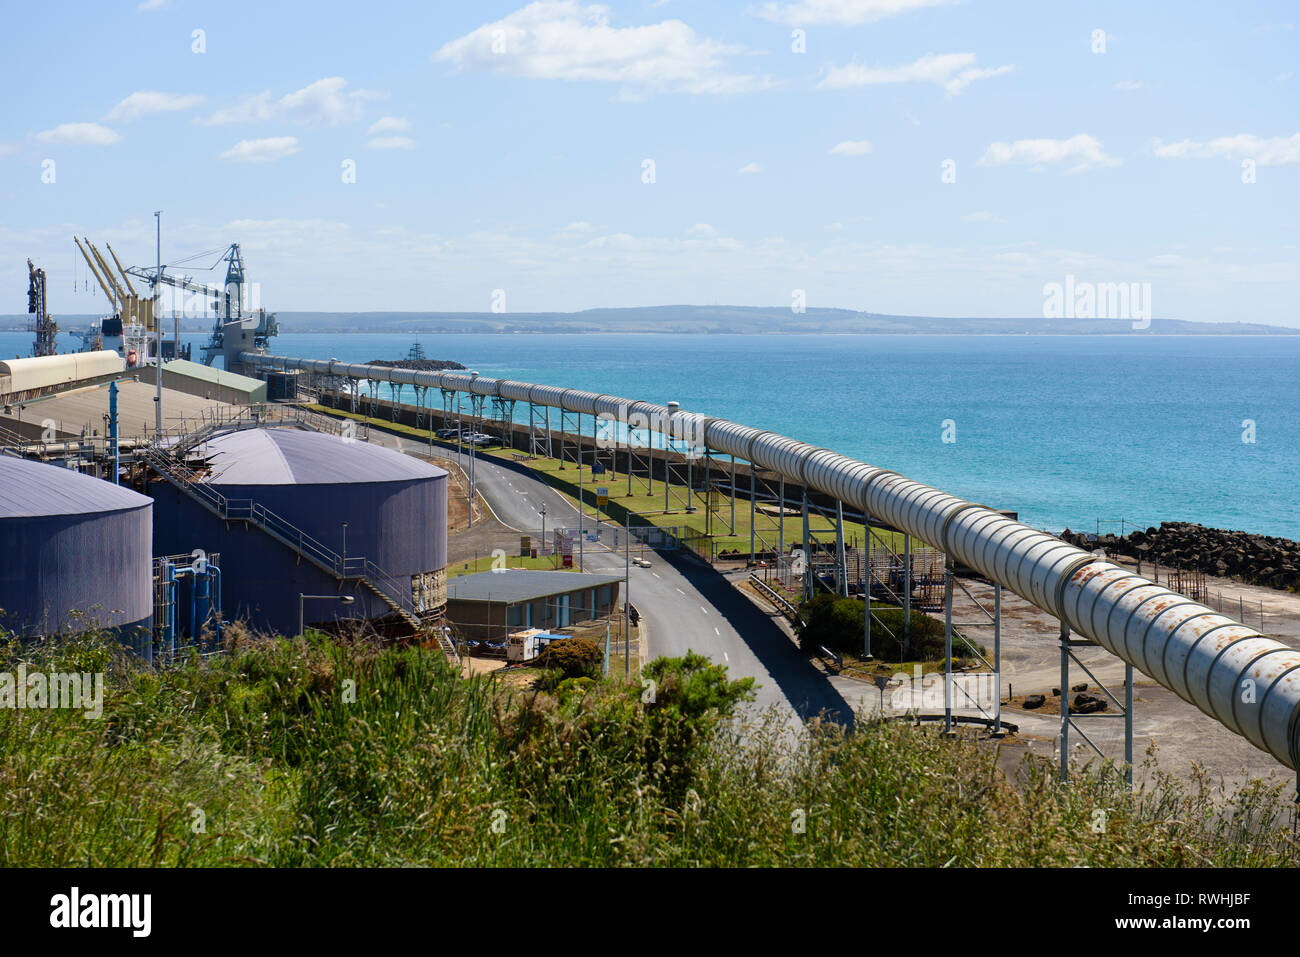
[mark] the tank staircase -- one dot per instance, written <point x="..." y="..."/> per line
<point x="354" y="570"/>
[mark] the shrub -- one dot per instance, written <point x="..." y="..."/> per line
<point x="572" y="657"/>
<point x="837" y="624"/>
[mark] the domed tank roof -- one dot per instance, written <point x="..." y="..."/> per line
<point x="29" y="489"/>
<point x="296" y="457"/>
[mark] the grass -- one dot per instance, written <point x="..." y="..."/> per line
<point x="485" y="563"/>
<point x="307" y="752"/>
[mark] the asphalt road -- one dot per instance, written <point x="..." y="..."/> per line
<point x="684" y="603"/>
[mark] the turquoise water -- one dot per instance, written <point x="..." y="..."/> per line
<point x="1064" y="430"/>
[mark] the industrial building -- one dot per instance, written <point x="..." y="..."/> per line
<point x="490" y="605"/>
<point x="295" y="513"/>
<point x="208" y="382"/>
<point x="77" y="554"/>
<point x="22" y="379"/>
<point x="81" y="412"/>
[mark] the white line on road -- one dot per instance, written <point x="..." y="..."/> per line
<point x="656" y="574"/>
<point x="718" y="633"/>
<point x="726" y="657"/>
<point x="680" y="592"/>
<point x="703" y="609"/>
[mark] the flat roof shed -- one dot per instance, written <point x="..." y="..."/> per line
<point x="491" y="604"/>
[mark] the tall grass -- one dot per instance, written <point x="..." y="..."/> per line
<point x="262" y="757"/>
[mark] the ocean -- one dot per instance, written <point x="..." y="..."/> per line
<point x="1081" y="432"/>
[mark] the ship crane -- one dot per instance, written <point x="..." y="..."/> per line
<point x="235" y="329"/>
<point x="127" y="329"/>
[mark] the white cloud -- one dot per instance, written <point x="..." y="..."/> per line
<point x="391" y="143"/>
<point x="1082" y="151"/>
<point x="580" y="228"/>
<point x="851" y="148"/>
<point x="953" y="71"/>
<point x="323" y="103"/>
<point x="143" y="102"/>
<point x="261" y="151"/>
<point x="701" y="229"/>
<point x="849" y="13"/>
<point x="983" y="216"/>
<point x="389" y="124"/>
<point x="564" y="40"/>
<point x="1125" y="86"/>
<point x="148" y="5"/>
<point x="750" y="168"/>
<point x="1272" y="151"/>
<point x="78" y="134"/>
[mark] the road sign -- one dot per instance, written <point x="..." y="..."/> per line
<point x="602" y="496"/>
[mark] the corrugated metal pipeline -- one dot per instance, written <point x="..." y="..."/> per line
<point x="1248" y="683"/>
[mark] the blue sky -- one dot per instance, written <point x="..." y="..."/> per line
<point x="501" y="145"/>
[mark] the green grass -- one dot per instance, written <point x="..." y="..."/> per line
<point x="265" y="757"/>
<point x="485" y="563"/>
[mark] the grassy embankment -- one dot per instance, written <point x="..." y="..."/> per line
<point x="305" y="752"/>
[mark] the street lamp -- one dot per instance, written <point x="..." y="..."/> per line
<point x="345" y="599"/>
<point x="473" y="443"/>
<point x="543" y="511"/>
<point x="344" y="569"/>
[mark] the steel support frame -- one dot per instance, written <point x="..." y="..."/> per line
<point x="1069" y="721"/>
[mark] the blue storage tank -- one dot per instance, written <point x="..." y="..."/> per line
<point x="75" y="553"/>
<point x="395" y="507"/>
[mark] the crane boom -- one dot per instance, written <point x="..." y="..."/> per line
<point x="103" y="264"/>
<point x="112" y="298"/>
<point x="118" y="262"/>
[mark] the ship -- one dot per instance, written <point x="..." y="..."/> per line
<point x="239" y="324"/>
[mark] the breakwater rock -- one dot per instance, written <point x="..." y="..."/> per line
<point x="1255" y="559"/>
<point x="419" y="365"/>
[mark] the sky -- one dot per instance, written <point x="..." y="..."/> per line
<point x="915" y="157"/>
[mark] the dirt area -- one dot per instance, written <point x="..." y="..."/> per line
<point x="1181" y="734"/>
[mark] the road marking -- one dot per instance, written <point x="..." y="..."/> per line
<point x="680" y="592"/>
<point x="703" y="609"/>
<point x="726" y="657"/>
<point x="718" y="633"/>
<point x="656" y="574"/>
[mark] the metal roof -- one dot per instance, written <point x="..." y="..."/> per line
<point x="522" y="584"/>
<point x="196" y="370"/>
<point x="295" y="457"/>
<point x="29" y="489"/>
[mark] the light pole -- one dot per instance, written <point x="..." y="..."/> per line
<point x="345" y="599"/>
<point x="627" y="593"/>
<point x="473" y="446"/>
<point x="543" y="546"/>
<point x="153" y="308"/>
<point x="344" y="569"/>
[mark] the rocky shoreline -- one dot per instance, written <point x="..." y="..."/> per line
<point x="1253" y="559"/>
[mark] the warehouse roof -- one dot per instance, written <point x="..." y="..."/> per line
<point x="522" y="584"/>
<point x="295" y="457"/>
<point x="196" y="370"/>
<point x="29" y="489"/>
